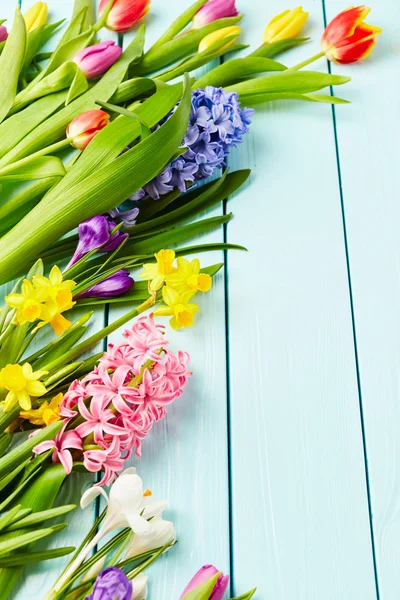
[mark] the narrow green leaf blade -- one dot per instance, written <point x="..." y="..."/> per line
<point x="11" y="62"/>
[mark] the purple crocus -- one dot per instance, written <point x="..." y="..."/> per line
<point x="95" y="233"/>
<point x="205" y="574"/>
<point x="110" y="584"/>
<point x="115" y="285"/>
<point x="3" y="33"/>
<point x="95" y="60"/>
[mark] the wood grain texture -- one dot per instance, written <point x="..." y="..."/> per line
<point x="368" y="136"/>
<point x="300" y="516"/>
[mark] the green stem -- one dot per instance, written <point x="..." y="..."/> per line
<point x="307" y="62"/>
<point x="53" y="148"/>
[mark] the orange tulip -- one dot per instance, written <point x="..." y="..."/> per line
<point x="85" y="126"/>
<point x="347" y="38"/>
<point x="124" y="13"/>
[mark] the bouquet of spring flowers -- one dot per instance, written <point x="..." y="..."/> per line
<point x="108" y="157"/>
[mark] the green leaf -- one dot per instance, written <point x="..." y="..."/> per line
<point x="246" y="596"/>
<point x="133" y="88"/>
<point x="22" y="452"/>
<point x="41" y="167"/>
<point x="253" y="99"/>
<point x="53" y="128"/>
<point x="24" y="540"/>
<point x="238" y="69"/>
<point x="104" y="189"/>
<point x="5" y="440"/>
<point x="146" y="131"/>
<point x="67" y="75"/>
<point x="204" y="590"/>
<point x="11" y="62"/>
<point x="179" y="23"/>
<point x="41" y="516"/>
<point x="22" y="201"/>
<point x="159" y="57"/>
<point x="289" y="81"/>
<point x="18" y="126"/>
<point x="88" y="8"/>
<point x="7" y="518"/>
<point x="274" y="48"/>
<point x="32" y="557"/>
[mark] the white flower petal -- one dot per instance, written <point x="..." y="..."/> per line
<point x="126" y="494"/>
<point x="153" y="508"/>
<point x="90" y="495"/>
<point x="162" y="532"/>
<point x="139" y="525"/>
<point x="129" y="471"/>
<point x="139" y="587"/>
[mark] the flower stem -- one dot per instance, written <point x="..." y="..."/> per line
<point x="307" y="62"/>
<point x="48" y="150"/>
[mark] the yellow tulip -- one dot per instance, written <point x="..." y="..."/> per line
<point x="209" y="40"/>
<point x="36" y="16"/>
<point x="286" y="25"/>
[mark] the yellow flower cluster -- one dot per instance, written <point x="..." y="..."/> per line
<point x="179" y="285"/>
<point x="44" y="299"/>
<point x="21" y="382"/>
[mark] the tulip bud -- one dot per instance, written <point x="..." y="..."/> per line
<point x="85" y="126"/>
<point x="347" y="39"/>
<point x="286" y="25"/>
<point x="124" y="13"/>
<point x="205" y="574"/>
<point x="3" y="33"/>
<point x="95" y="60"/>
<point x="213" y="10"/>
<point x="226" y="32"/>
<point x="36" y="16"/>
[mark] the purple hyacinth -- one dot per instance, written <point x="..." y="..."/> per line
<point x="110" y="584"/>
<point x="217" y="123"/>
<point x="96" y="233"/>
<point x="115" y="285"/>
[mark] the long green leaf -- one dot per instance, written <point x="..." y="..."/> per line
<point x="41" y="167"/>
<point x="24" y="540"/>
<point x="99" y="192"/>
<point x="32" y="557"/>
<point x="246" y="596"/>
<point x="53" y="128"/>
<point x="19" y="454"/>
<point x="179" y="23"/>
<point x="275" y="48"/>
<point x="11" y="62"/>
<point x="41" y="516"/>
<point x="253" y="99"/>
<point x="238" y="69"/>
<point x="289" y="81"/>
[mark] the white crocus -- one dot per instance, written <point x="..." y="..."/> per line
<point x="163" y="532"/>
<point x="126" y="507"/>
<point x="139" y="587"/>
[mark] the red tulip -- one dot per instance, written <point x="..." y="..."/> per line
<point x="124" y="13"/>
<point x="85" y="126"/>
<point x="347" y="39"/>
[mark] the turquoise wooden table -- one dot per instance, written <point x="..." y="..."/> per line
<point x="281" y="462"/>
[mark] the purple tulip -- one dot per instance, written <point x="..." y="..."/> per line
<point x="95" y="60"/>
<point x="213" y="10"/>
<point x="204" y="574"/>
<point x="110" y="584"/>
<point x="3" y="33"/>
<point x="115" y="285"/>
<point x="96" y="233"/>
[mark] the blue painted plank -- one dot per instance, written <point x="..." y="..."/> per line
<point x="368" y="134"/>
<point x="300" y="521"/>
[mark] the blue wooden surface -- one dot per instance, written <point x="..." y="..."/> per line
<point x="281" y="461"/>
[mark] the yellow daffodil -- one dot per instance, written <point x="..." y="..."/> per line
<point x="28" y="303"/>
<point x="229" y="33"/>
<point x="46" y="414"/>
<point x="44" y="299"/>
<point x="21" y="382"/>
<point x="188" y="279"/>
<point x="157" y="272"/>
<point x="285" y="25"/>
<point x="178" y="308"/>
<point x="36" y="16"/>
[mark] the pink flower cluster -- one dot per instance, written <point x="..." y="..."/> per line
<point x="116" y="416"/>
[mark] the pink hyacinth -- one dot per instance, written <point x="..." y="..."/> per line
<point x="120" y="400"/>
<point x="63" y="443"/>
